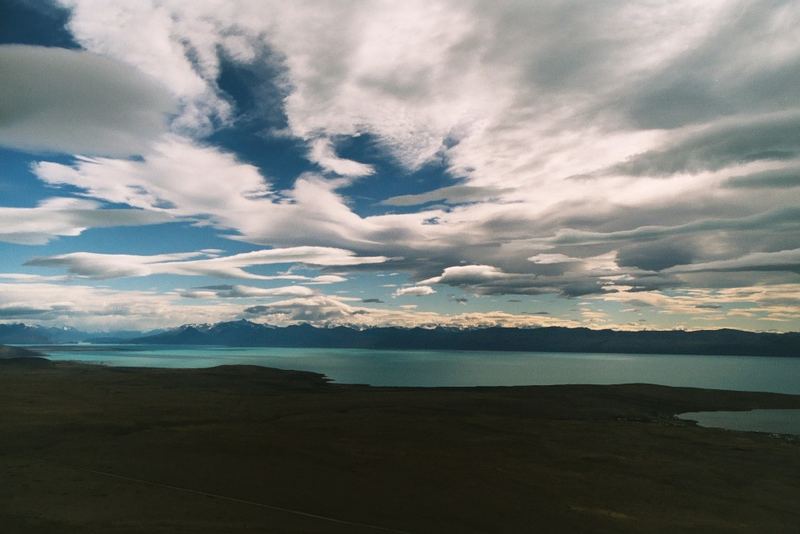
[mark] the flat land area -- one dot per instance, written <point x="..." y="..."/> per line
<point x="87" y="449"/>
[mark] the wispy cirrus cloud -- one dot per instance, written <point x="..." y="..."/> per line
<point x="245" y="292"/>
<point x="182" y="178"/>
<point x="56" y="217"/>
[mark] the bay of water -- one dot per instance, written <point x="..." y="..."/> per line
<point x="463" y="368"/>
<point x="773" y="421"/>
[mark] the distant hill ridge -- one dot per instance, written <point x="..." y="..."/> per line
<point x="18" y="356"/>
<point x="16" y="352"/>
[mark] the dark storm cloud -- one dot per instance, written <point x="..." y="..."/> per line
<point x="700" y="86"/>
<point x="782" y="260"/>
<point x="772" y="137"/>
<point x="657" y="255"/>
<point x="583" y="287"/>
<point x="653" y="282"/>
<point x="775" y="219"/>
<point x="773" y="179"/>
<point x="488" y="280"/>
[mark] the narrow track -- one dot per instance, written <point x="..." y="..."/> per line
<point x="247" y="502"/>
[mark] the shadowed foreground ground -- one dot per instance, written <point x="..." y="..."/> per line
<point x="215" y="451"/>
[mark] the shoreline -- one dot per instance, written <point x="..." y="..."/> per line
<point x="230" y="449"/>
<point x="90" y="345"/>
<point x="465" y="369"/>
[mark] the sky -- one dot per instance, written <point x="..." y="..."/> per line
<point x="616" y="164"/>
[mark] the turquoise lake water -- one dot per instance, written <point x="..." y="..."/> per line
<point x="463" y="368"/>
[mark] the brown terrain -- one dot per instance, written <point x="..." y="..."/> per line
<point x="90" y="449"/>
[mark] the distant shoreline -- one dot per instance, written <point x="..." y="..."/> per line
<point x="399" y="368"/>
<point x="129" y="343"/>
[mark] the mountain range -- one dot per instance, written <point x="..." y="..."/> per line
<point x="24" y="334"/>
<point x="555" y="339"/>
<point x="19" y="333"/>
<point x="244" y="333"/>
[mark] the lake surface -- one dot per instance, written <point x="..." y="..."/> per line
<point x="463" y="368"/>
<point x="773" y="421"/>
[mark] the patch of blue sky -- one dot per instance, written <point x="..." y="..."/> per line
<point x="390" y="178"/>
<point x="19" y="187"/>
<point x="259" y="137"/>
<point x="150" y="239"/>
<point x="35" y="22"/>
<point x="138" y="240"/>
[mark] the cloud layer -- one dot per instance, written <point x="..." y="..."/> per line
<point x="595" y="152"/>
<point x="67" y="217"/>
<point x="104" y="266"/>
<point x="57" y="100"/>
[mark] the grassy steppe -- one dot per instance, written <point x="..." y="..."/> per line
<point x="518" y="459"/>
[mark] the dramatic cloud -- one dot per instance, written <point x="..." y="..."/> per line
<point x="104" y="309"/>
<point x="415" y="291"/>
<point x="547" y="259"/>
<point x="467" y="275"/>
<point x="576" y="152"/>
<point x="774" y="178"/>
<point x="587" y="276"/>
<point x="785" y="217"/>
<point x="335" y="311"/>
<point x="58" y="100"/>
<point x="103" y="266"/>
<point x="95" y="308"/>
<point x="763" y="138"/>
<point x="784" y="260"/>
<point x="455" y="194"/>
<point x="184" y="179"/>
<point x="323" y="154"/>
<point x="67" y="217"/>
<point x="774" y="303"/>
<point x="320" y="308"/>
<point x="237" y="291"/>
<point x="180" y="51"/>
<point x="174" y="176"/>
